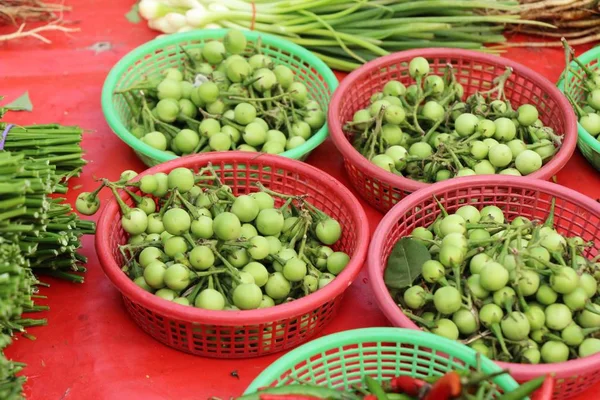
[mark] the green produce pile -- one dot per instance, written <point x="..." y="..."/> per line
<point x="228" y="96"/>
<point x="346" y="34"/>
<point x="515" y="291"/>
<point x="201" y="245"/>
<point x="426" y="133"/>
<point x="588" y="82"/>
<point x="38" y="232"/>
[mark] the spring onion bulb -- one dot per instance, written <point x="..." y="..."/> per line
<point x="185" y="28"/>
<point x="153" y="9"/>
<point x="345" y="34"/>
<point x="161" y="24"/>
<point x="176" y="21"/>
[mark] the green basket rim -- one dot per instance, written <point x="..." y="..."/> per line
<point x="149" y="47"/>
<point x="356" y="336"/>
<point x="586" y="138"/>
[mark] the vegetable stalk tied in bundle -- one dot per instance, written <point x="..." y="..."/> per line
<point x="344" y="34"/>
<point x="194" y="243"/>
<point x="21" y="12"/>
<point x="516" y="291"/>
<point x="453" y="385"/>
<point x="59" y="145"/>
<point x="427" y="133"/>
<point x="38" y="232"/>
<point x="11" y="385"/>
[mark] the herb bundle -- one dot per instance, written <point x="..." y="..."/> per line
<point x="39" y="234"/>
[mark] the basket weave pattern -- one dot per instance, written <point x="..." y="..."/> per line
<point x="237" y="334"/>
<point x="148" y="60"/>
<point x="475" y="72"/>
<point x="575" y="215"/>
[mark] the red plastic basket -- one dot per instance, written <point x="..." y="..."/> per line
<point x="475" y="71"/>
<point x="238" y="334"/>
<point x="575" y="214"/>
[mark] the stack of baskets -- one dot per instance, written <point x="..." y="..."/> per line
<point x="232" y="334"/>
<point x="340" y="360"/>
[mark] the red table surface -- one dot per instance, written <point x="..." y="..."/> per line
<point x="90" y="348"/>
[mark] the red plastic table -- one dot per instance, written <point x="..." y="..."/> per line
<point x="91" y="349"/>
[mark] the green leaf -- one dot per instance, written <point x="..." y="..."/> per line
<point x="405" y="263"/>
<point x="133" y="14"/>
<point x="22" y="103"/>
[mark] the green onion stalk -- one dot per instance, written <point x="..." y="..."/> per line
<point x="59" y="145"/>
<point x="345" y="34"/>
<point x="39" y="233"/>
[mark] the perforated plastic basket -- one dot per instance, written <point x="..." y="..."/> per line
<point x="150" y="58"/>
<point x="343" y="359"/>
<point x="237" y="334"/>
<point x="588" y="145"/>
<point x="575" y="214"/>
<point x="475" y="71"/>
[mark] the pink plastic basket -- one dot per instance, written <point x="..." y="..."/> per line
<point x="575" y="214"/>
<point x="238" y="334"/>
<point x="475" y="71"/>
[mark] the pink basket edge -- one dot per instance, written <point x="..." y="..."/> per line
<point x="282" y="312"/>
<point x="358" y="161"/>
<point x="521" y="372"/>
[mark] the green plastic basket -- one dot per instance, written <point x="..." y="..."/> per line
<point x="587" y="144"/>
<point x="149" y="59"/>
<point x="343" y="359"/>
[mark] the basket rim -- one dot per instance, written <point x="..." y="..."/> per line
<point x="584" y="135"/>
<point x="521" y="372"/>
<point x="292" y="309"/>
<point x="121" y="67"/>
<point x="383" y="334"/>
<point x="352" y="155"/>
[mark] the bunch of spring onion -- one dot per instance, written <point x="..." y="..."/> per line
<point x="39" y="233"/>
<point x="345" y="34"/>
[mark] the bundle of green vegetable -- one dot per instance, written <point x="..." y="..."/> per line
<point x="427" y="133"/>
<point x="229" y="96"/>
<point x="199" y="244"/>
<point x="515" y="291"/>
<point x="38" y="233"/>
<point x="17" y="285"/>
<point x="345" y="34"/>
